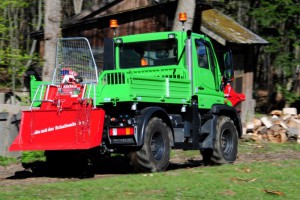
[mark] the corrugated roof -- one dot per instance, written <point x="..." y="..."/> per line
<point x="225" y="30"/>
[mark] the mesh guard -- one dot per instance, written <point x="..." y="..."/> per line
<point x="74" y="57"/>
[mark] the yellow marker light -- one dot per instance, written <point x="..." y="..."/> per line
<point x="182" y="17"/>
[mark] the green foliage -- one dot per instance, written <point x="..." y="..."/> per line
<point x="14" y="43"/>
<point x="32" y="156"/>
<point x="275" y="45"/>
<point x="289" y="96"/>
<point x="4" y="161"/>
<point x="278" y="22"/>
<point x="278" y="12"/>
<point x="13" y="62"/>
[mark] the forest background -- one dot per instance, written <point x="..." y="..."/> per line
<point x="277" y="21"/>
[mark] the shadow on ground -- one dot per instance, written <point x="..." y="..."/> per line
<point x="116" y="165"/>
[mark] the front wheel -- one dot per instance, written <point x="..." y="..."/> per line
<point x="225" y="144"/>
<point x="155" y="153"/>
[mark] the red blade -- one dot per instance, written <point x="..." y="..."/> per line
<point x="53" y="130"/>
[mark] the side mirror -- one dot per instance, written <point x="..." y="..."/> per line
<point x="228" y="60"/>
<point x="228" y="72"/>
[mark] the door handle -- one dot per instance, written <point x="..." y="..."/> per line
<point x="200" y="88"/>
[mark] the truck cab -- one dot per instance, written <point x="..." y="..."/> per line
<point x="166" y="62"/>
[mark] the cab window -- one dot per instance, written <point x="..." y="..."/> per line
<point x="151" y="53"/>
<point x="202" y="54"/>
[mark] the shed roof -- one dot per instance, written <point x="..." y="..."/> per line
<point x="226" y="30"/>
<point x="216" y="25"/>
<point x="91" y="12"/>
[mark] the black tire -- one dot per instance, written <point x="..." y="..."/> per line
<point x="225" y="144"/>
<point x="155" y="153"/>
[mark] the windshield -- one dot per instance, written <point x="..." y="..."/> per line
<point x="150" y="53"/>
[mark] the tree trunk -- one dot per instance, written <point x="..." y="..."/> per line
<point x="14" y="46"/>
<point x="189" y="8"/>
<point x="297" y="76"/>
<point x="297" y="71"/>
<point x="77" y="6"/>
<point x="39" y="23"/>
<point x="52" y="32"/>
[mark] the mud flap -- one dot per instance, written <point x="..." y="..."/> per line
<point x="53" y="130"/>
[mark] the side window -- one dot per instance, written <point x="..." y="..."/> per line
<point x="212" y="61"/>
<point x="206" y="59"/>
<point x="202" y="54"/>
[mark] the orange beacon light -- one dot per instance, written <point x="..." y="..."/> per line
<point x="182" y="17"/>
<point x="113" y="23"/>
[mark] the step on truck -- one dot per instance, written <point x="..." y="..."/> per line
<point x="157" y="91"/>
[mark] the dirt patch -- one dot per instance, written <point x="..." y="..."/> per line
<point x="38" y="173"/>
<point x="16" y="175"/>
<point x="263" y="157"/>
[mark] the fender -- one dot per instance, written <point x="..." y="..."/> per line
<point x="145" y="116"/>
<point x="216" y="111"/>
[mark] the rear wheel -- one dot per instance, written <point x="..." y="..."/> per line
<point x="155" y="153"/>
<point x="225" y="144"/>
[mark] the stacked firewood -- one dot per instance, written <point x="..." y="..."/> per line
<point x="279" y="127"/>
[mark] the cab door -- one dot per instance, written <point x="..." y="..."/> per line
<point x="206" y="74"/>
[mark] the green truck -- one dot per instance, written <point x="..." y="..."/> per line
<point x="156" y="92"/>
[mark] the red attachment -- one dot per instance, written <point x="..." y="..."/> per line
<point x="64" y="121"/>
<point x="121" y="131"/>
<point x="50" y="130"/>
<point x="63" y="96"/>
<point x="232" y="96"/>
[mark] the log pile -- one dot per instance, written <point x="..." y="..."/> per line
<point x="279" y="127"/>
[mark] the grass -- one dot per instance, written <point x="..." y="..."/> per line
<point x="4" y="161"/>
<point x="32" y="156"/>
<point x="254" y="180"/>
<point x="261" y="180"/>
<point x="27" y="157"/>
<point x="267" y="147"/>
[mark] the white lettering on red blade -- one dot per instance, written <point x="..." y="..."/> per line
<point x="51" y="129"/>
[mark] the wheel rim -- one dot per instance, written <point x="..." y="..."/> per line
<point x="157" y="146"/>
<point x="226" y="142"/>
